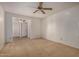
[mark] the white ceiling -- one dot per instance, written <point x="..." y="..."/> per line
<point x="27" y="8"/>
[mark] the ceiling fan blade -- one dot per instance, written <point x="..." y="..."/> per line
<point x="47" y="8"/>
<point x="40" y="4"/>
<point x="42" y="11"/>
<point x="35" y="11"/>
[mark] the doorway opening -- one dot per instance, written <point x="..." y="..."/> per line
<point x="21" y="28"/>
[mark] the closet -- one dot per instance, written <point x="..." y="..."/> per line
<point x="20" y="27"/>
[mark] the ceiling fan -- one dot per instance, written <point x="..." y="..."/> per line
<point x="40" y="8"/>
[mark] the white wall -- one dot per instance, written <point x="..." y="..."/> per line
<point x="35" y="28"/>
<point x="8" y="27"/>
<point x="2" y="33"/>
<point x="63" y="27"/>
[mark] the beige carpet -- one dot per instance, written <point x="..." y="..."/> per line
<point x="37" y="47"/>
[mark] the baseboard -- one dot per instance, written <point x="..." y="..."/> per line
<point x="36" y="38"/>
<point x="19" y="37"/>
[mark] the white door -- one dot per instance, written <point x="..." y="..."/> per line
<point x="24" y="29"/>
<point x="15" y="27"/>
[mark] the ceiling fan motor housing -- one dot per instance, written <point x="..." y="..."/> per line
<point x="39" y="7"/>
